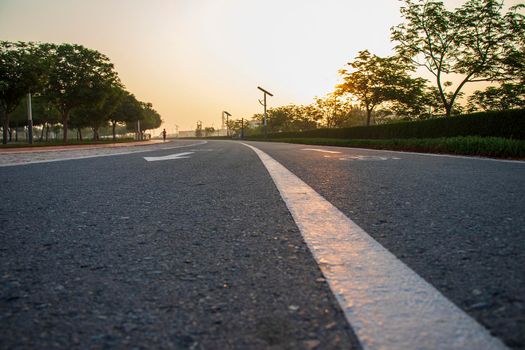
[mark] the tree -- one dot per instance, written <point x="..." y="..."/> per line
<point x="128" y="110"/>
<point x="376" y="80"/>
<point x="149" y="119"/>
<point x="411" y="98"/>
<point x="209" y="131"/>
<point x="22" y="67"/>
<point x="152" y="119"/>
<point x="236" y="126"/>
<point x="506" y="96"/>
<point x="103" y="102"/>
<point x="306" y="117"/>
<point x="279" y="119"/>
<point x="76" y="74"/>
<point x="475" y="42"/>
<point x="18" y="118"/>
<point x="339" y="111"/>
<point x="332" y="109"/>
<point x="291" y="118"/>
<point x="44" y="114"/>
<point x="113" y="98"/>
<point x="79" y="119"/>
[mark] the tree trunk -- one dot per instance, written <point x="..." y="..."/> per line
<point x="448" y="109"/>
<point x="65" y="119"/>
<point x="42" y="133"/>
<point x="368" y="116"/>
<point x="95" y="134"/>
<point x="5" y="126"/>
<point x="47" y="132"/>
<point x="80" y="133"/>
<point x="113" y="126"/>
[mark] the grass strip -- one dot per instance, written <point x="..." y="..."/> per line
<point x="495" y="147"/>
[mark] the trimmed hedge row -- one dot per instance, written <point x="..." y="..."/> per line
<point x="506" y="124"/>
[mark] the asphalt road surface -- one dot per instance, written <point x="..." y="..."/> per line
<point x="200" y="251"/>
<point x="458" y="222"/>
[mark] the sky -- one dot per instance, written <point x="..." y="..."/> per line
<point x="192" y="59"/>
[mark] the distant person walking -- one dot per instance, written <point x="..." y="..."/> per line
<point x="164" y="135"/>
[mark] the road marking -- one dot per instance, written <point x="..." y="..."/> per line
<point x="348" y="157"/>
<point x="102" y="155"/>
<point x="432" y="155"/>
<point x="387" y="304"/>
<point x="360" y="157"/>
<point x="319" y="150"/>
<point x="182" y="155"/>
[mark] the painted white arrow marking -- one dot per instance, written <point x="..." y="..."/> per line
<point x="169" y="157"/>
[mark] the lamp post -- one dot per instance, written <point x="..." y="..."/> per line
<point x="227" y="127"/>
<point x="265" y="114"/>
<point x="29" y="119"/>
<point x="242" y="128"/>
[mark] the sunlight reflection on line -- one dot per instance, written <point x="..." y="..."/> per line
<point x="374" y="158"/>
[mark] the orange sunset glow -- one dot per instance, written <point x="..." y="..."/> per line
<point x="194" y="59"/>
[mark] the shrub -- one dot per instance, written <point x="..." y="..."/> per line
<point x="506" y="124"/>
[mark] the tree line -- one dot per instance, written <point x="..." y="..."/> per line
<point x="71" y="86"/>
<point x="476" y="42"/>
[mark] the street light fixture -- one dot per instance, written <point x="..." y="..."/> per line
<point x="265" y="114"/>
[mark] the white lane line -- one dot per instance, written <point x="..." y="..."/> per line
<point x="101" y="155"/>
<point x="388" y="305"/>
<point x="182" y="155"/>
<point x="319" y="150"/>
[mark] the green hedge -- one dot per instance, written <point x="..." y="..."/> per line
<point x="506" y="124"/>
